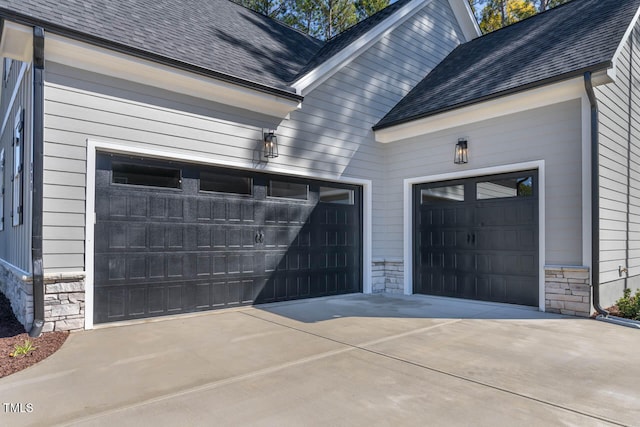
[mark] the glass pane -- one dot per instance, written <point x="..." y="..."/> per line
<point x="288" y="190"/>
<point x="336" y="195"/>
<point x="150" y="176"/>
<point x="451" y="193"/>
<point x="506" y="187"/>
<point x="210" y="181"/>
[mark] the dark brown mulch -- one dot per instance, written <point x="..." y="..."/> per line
<point x="12" y="332"/>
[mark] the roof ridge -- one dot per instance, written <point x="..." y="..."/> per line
<point x="534" y="16"/>
<point x="281" y="23"/>
<point x="395" y="3"/>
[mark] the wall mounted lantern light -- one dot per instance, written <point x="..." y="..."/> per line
<point x="270" y="144"/>
<point x="461" y="155"/>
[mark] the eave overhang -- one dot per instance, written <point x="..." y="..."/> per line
<point x="90" y="53"/>
<point x="526" y="97"/>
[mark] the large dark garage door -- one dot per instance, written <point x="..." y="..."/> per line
<point x="175" y="238"/>
<point x="478" y="238"/>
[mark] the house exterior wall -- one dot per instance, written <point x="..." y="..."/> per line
<point x="336" y="118"/>
<point x="15" y="240"/>
<point x="329" y="137"/>
<point x="619" y="129"/>
<point x="516" y="138"/>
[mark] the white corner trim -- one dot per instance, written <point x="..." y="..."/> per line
<point x="523" y="101"/>
<point x="93" y="146"/>
<point x="23" y="69"/>
<point x="322" y="72"/>
<point x="514" y="167"/>
<point x="95" y="59"/>
<point x="17" y="42"/>
<point x="466" y="19"/>
<point x="90" y="220"/>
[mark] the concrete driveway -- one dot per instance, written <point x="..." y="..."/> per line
<point x="367" y="360"/>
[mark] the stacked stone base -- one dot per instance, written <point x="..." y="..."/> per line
<point x="388" y="276"/>
<point x="568" y="291"/>
<point x="64" y="303"/>
<point x="16" y="286"/>
<point x="64" y="298"/>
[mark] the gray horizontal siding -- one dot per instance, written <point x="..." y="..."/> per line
<point x="619" y="104"/>
<point x="329" y="136"/>
<point x="511" y="139"/>
<point x="338" y="115"/>
<point x="15" y="241"/>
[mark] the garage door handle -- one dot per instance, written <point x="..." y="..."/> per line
<point x="473" y="238"/>
<point x="259" y="237"/>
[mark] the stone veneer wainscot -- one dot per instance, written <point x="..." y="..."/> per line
<point x="64" y="298"/>
<point x="567" y="290"/>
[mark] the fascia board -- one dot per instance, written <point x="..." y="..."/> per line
<point x="321" y="73"/>
<point x="466" y="19"/>
<point x="523" y="101"/>
<point x="77" y="54"/>
<point x="17" y="42"/>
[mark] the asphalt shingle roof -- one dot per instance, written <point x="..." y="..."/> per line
<point x="574" y="37"/>
<point x="214" y="35"/>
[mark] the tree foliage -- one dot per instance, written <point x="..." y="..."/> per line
<point x="320" y="18"/>
<point x="495" y="14"/>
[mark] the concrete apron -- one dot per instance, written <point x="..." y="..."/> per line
<point x="350" y="360"/>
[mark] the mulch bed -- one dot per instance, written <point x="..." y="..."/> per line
<point x="12" y="332"/>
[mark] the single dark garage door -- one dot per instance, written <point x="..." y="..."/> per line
<point x="478" y="238"/>
<point x="175" y="238"/>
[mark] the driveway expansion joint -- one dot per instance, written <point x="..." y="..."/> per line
<point x="362" y="347"/>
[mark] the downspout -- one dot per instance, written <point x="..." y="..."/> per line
<point x="37" y="192"/>
<point x="595" y="196"/>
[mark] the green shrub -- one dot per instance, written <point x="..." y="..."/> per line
<point x="629" y="305"/>
<point x="23" y="350"/>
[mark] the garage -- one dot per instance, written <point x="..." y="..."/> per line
<point x="175" y="238"/>
<point x="477" y="238"/>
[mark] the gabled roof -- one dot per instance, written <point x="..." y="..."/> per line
<point x="216" y="36"/>
<point x="554" y="45"/>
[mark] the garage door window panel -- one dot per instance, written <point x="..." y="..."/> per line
<point x="288" y="190"/>
<point x="341" y="196"/>
<point x="505" y="187"/>
<point x="224" y="183"/>
<point x="146" y="176"/>
<point x="445" y="194"/>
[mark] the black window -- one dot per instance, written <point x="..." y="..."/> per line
<point x="341" y="196"/>
<point x="148" y="176"/>
<point x="505" y="187"/>
<point x="223" y="183"/>
<point x="288" y="190"/>
<point x="449" y="193"/>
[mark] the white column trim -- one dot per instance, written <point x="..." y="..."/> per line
<point x="470" y="173"/>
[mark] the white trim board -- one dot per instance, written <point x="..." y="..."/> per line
<point x="522" y="101"/>
<point x="514" y="167"/>
<point x="23" y="69"/>
<point x="622" y="44"/>
<point x="95" y="59"/>
<point x="93" y="146"/>
<point x="328" y="68"/>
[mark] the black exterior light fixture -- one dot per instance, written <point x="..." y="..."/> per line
<point x="461" y="155"/>
<point x="270" y="144"/>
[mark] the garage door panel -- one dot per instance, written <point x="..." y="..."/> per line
<point x="491" y="233"/>
<point x="202" y="246"/>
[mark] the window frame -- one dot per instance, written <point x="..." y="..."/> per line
<point x="2" y="189"/>
<point x="18" y="168"/>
